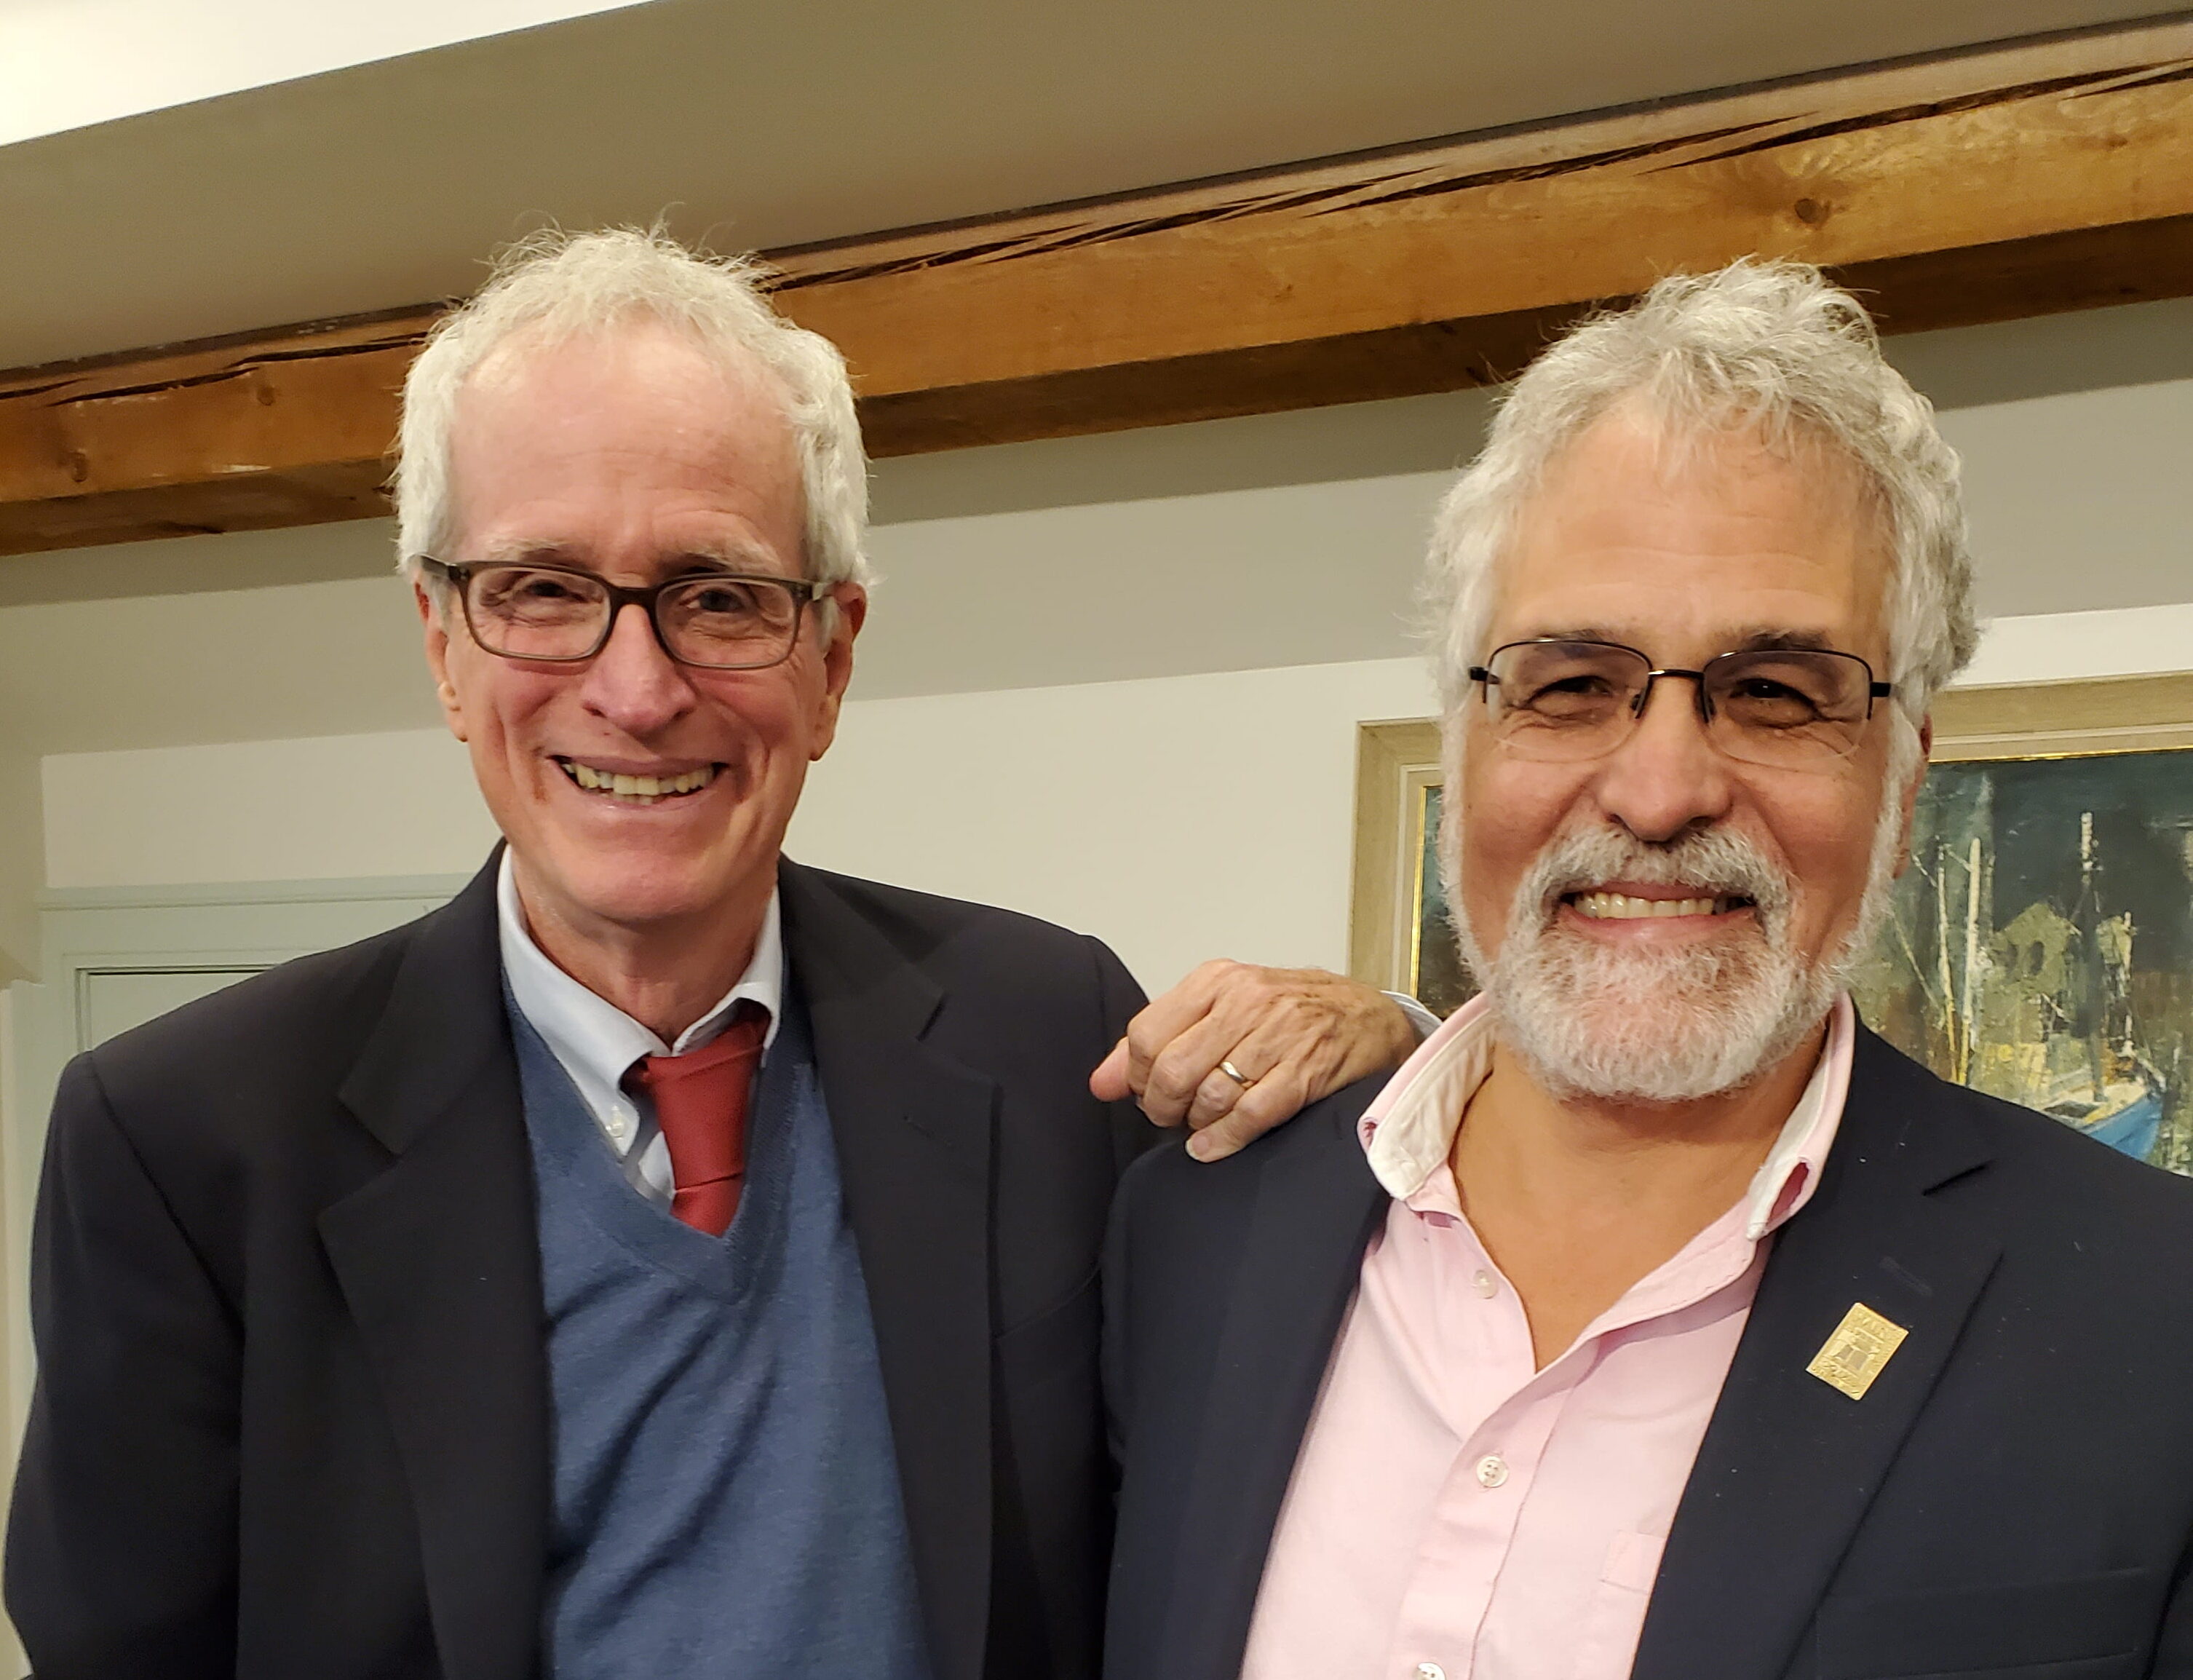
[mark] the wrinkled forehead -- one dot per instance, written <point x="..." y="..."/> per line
<point x="1676" y="539"/>
<point x="639" y="414"/>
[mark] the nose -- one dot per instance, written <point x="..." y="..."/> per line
<point x="1668" y="777"/>
<point x="632" y="682"/>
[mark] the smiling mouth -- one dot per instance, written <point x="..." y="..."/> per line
<point x="1621" y="907"/>
<point x="639" y="789"/>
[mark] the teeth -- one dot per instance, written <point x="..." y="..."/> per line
<point x="1621" y="907"/>
<point x="642" y="790"/>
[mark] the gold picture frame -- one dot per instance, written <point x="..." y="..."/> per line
<point x="1397" y="771"/>
<point x="1397" y="766"/>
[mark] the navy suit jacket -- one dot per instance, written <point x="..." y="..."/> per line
<point x="2013" y="1497"/>
<point x="292" y="1420"/>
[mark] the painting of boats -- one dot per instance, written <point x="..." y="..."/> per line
<point x="2040" y="944"/>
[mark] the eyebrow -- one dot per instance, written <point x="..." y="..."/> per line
<point x="513" y="551"/>
<point x="731" y="558"/>
<point x="1752" y="639"/>
<point x="1781" y="641"/>
<point x="1577" y="633"/>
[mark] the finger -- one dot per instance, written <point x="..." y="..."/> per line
<point x="1255" y="1018"/>
<point x="1275" y="1097"/>
<point x="1326" y="1034"/>
<point x="1179" y="1072"/>
<point x="1158" y="1023"/>
<point x="1109" y="1083"/>
<point x="1218" y="1092"/>
<point x="1216" y="1097"/>
<point x="1300" y="1052"/>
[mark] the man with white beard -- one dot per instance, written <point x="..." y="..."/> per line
<point x="1657" y="1319"/>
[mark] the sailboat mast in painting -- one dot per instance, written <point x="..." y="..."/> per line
<point x="2040" y="946"/>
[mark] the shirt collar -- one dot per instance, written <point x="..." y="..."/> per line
<point x="1408" y="1131"/>
<point x="596" y="1041"/>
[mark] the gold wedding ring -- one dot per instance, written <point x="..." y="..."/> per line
<point x="1236" y="1075"/>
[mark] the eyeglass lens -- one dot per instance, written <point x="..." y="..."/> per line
<point x="729" y="623"/>
<point x="1787" y="708"/>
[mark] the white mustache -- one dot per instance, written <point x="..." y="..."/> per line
<point x="1719" y="863"/>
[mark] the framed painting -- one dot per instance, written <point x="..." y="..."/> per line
<point x="1398" y="935"/>
<point x="2040" y="946"/>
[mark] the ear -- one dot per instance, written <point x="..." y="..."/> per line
<point x="437" y="658"/>
<point x="852" y="601"/>
<point x="1911" y="792"/>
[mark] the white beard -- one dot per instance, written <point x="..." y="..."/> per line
<point x="1668" y="1025"/>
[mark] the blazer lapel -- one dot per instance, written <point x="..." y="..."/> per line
<point x="914" y="1134"/>
<point x="1788" y="1465"/>
<point x="1316" y="1207"/>
<point x="439" y="1261"/>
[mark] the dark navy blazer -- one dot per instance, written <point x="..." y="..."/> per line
<point x="2013" y="1497"/>
<point x="292" y="1422"/>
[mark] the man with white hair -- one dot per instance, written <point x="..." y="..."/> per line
<point x="1657" y="1318"/>
<point x="665" y="1260"/>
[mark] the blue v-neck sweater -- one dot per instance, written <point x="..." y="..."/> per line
<point x="726" y="1502"/>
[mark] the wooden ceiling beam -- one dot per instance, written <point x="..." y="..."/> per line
<point x="290" y="427"/>
<point x="1987" y="186"/>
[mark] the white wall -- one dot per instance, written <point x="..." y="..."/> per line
<point x="2082" y="498"/>
<point x="1180" y="818"/>
<point x="1177" y="817"/>
<point x="22" y="857"/>
<point x="312" y="809"/>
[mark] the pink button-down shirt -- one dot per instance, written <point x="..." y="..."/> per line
<point x="1456" y="1514"/>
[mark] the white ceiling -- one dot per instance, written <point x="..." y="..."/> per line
<point x="67" y="64"/>
<point x="766" y="125"/>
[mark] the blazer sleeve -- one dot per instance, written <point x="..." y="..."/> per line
<point x="1121" y="999"/>
<point x="122" y="1540"/>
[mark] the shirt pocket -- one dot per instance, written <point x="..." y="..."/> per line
<point x="1616" y="1615"/>
<point x="2087" y="1628"/>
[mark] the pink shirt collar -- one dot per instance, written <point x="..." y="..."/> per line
<point x="1408" y="1131"/>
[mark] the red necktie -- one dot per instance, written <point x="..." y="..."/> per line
<point x="701" y="1103"/>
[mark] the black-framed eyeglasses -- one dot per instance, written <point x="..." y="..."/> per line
<point x="719" y="621"/>
<point x="1562" y="700"/>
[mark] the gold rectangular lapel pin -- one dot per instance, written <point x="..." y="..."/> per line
<point x="1851" y="1358"/>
